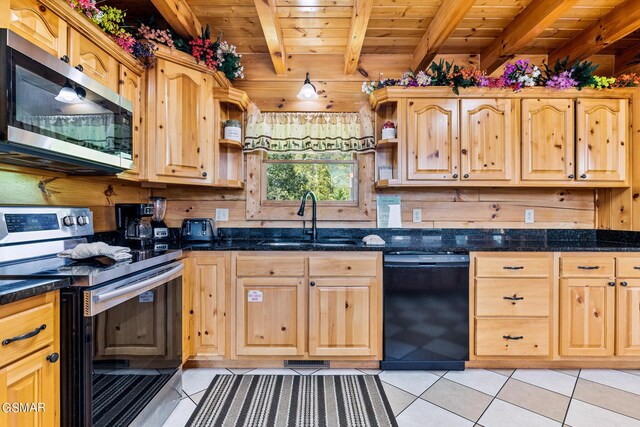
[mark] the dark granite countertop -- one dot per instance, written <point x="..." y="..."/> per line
<point x="16" y="290"/>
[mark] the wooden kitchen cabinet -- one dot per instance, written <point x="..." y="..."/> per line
<point x="587" y="317"/>
<point x="93" y="61"/>
<point x="270" y="316"/>
<point x="548" y="140"/>
<point x="308" y="305"/>
<point x="131" y="88"/>
<point x="180" y="125"/>
<point x="207" y="313"/>
<point x="39" y="25"/>
<point x="433" y="139"/>
<point x="602" y="139"/>
<point x="628" y="317"/>
<point x="30" y="368"/>
<point x="487" y="138"/>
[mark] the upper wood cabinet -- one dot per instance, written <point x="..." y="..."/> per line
<point x="38" y="24"/>
<point x="487" y="138"/>
<point x="548" y="140"/>
<point x="131" y="88"/>
<point x="182" y="127"/>
<point x="602" y="139"/>
<point x="93" y="61"/>
<point x="433" y="139"/>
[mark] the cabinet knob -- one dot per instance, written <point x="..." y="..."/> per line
<point x="64" y="58"/>
<point x="455" y="175"/>
<point x="53" y="358"/>
<point x="204" y="174"/>
<point x="623" y="284"/>
<point x="79" y="68"/>
<point x="611" y="283"/>
<point x="583" y="176"/>
<point x="466" y="175"/>
<point x="571" y="176"/>
<point x="312" y="283"/>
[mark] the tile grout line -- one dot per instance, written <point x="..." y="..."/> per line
<point x="416" y="397"/>
<point x="496" y="396"/>
<point x="564" y="420"/>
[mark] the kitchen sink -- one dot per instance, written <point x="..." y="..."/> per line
<point x="306" y="243"/>
<point x="284" y="243"/>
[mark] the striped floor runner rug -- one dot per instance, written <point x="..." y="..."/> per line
<point x="294" y="401"/>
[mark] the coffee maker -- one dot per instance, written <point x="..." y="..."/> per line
<point x="160" y="229"/>
<point x="135" y="220"/>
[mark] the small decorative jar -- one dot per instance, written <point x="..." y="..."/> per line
<point x="232" y="130"/>
<point x="388" y="130"/>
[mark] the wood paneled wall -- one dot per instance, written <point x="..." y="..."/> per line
<point x="19" y="186"/>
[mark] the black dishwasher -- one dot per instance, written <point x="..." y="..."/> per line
<point x="426" y="311"/>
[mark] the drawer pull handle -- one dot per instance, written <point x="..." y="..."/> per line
<point x="28" y="335"/>
<point x="636" y="267"/>
<point x="588" y="267"/>
<point x="513" y="298"/>
<point x="509" y="267"/>
<point x="509" y="337"/>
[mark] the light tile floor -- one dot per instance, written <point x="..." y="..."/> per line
<point x="477" y="397"/>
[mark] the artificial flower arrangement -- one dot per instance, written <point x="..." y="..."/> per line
<point x="516" y="76"/>
<point x="217" y="55"/>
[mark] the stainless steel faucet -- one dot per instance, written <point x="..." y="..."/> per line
<point x="314" y="218"/>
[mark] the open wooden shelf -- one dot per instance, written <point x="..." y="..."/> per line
<point x="383" y="143"/>
<point x="231" y="143"/>
<point x="384" y="183"/>
<point x="231" y="183"/>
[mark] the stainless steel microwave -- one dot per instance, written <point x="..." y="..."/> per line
<point x="55" y="117"/>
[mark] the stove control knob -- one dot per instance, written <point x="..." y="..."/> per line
<point x="83" y="220"/>
<point x="69" y="220"/>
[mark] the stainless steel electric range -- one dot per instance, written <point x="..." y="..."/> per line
<point x="120" y="325"/>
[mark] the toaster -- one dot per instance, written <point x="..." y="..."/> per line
<point x="198" y="230"/>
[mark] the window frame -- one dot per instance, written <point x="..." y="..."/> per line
<point x="354" y="181"/>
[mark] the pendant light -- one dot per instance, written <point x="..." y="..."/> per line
<point x="68" y="94"/>
<point x="307" y="91"/>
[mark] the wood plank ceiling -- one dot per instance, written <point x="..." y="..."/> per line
<point x="421" y="28"/>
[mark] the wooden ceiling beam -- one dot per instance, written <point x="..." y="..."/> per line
<point x="268" y="15"/>
<point x="533" y="20"/>
<point x="180" y="17"/>
<point x="358" y="28"/>
<point x="442" y="25"/>
<point x="622" y="60"/>
<point x="621" y="21"/>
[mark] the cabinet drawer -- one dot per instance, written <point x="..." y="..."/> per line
<point x="628" y="267"/>
<point x="529" y="337"/>
<point x="37" y="322"/>
<point x="512" y="265"/>
<point x="343" y="266"/>
<point x="512" y="297"/>
<point x="587" y="266"/>
<point x="270" y="265"/>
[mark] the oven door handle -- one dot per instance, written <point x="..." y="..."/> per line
<point x="160" y="278"/>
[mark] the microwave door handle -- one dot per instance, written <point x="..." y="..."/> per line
<point x="124" y="290"/>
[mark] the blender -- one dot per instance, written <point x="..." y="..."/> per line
<point x="160" y="229"/>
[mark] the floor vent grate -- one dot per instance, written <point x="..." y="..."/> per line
<point x="306" y="364"/>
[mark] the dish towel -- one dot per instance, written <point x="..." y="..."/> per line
<point x="97" y="249"/>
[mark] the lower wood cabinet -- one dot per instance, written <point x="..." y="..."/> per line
<point x="204" y="313"/>
<point x="308" y="305"/>
<point x="628" y="317"/>
<point x="30" y="368"/>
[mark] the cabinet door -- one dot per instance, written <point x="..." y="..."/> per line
<point x="131" y="89"/>
<point x="184" y="136"/>
<point x="487" y="139"/>
<point x="602" y="132"/>
<point x="35" y="22"/>
<point x="343" y="317"/>
<point x="433" y="141"/>
<point x="208" y="305"/>
<point x="32" y="380"/>
<point x="270" y="316"/>
<point x="587" y="318"/>
<point x="628" y="312"/>
<point x="547" y="140"/>
<point x="95" y="62"/>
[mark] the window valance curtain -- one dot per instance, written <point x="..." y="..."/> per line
<point x="287" y="132"/>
